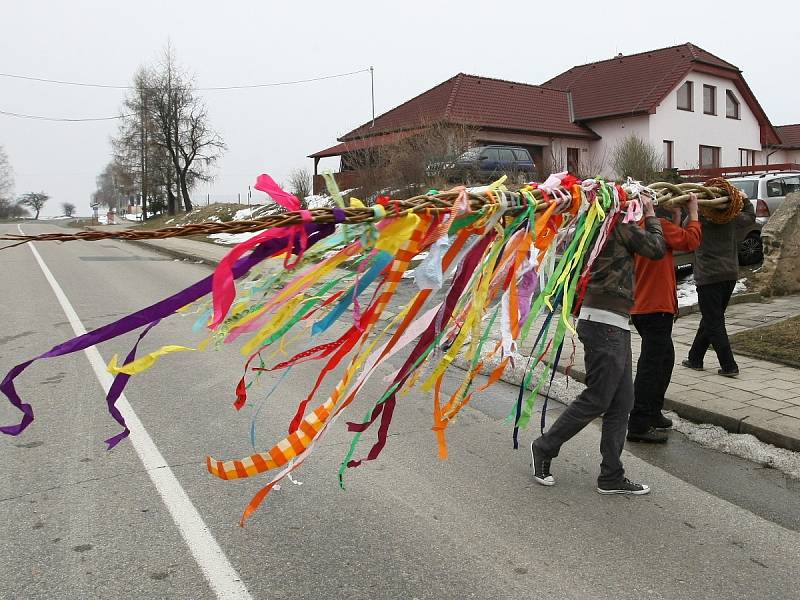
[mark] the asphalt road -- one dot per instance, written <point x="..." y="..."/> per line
<point x="80" y="522"/>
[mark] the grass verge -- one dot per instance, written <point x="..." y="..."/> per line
<point x="779" y="342"/>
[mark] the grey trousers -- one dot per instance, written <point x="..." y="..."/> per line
<point x="609" y="392"/>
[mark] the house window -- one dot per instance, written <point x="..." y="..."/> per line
<point x="668" y="159"/>
<point x="731" y="105"/>
<point x="747" y="158"/>
<point x="685" y="96"/>
<point x="709" y="157"/>
<point x="709" y="100"/>
<point x="573" y="157"/>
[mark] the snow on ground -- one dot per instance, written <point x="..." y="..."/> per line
<point x="687" y="291"/>
<point x="323" y="200"/>
<point x="252" y="212"/>
<point x="231" y="239"/>
<point x="130" y="217"/>
<point x="742" y="445"/>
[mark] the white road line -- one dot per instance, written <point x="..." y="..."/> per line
<point x="218" y="571"/>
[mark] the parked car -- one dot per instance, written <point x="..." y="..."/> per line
<point x="487" y="162"/>
<point x="767" y="190"/>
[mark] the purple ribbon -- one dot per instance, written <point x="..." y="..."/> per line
<point x="149" y="316"/>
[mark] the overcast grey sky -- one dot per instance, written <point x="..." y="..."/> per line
<point x="413" y="45"/>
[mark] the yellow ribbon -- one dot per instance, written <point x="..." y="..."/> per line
<point x="145" y="362"/>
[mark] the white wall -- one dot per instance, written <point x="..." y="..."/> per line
<point x="612" y="132"/>
<point x="784" y="156"/>
<point x="556" y="151"/>
<point x="689" y="130"/>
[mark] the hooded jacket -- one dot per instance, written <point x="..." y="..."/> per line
<point x="611" y="280"/>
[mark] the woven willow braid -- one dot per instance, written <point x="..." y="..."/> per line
<point x="718" y="199"/>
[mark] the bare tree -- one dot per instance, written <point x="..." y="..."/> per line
<point x="6" y="185"/>
<point x="140" y="162"/>
<point x="636" y="158"/>
<point x="422" y="160"/>
<point x="165" y="142"/>
<point x="35" y="200"/>
<point x="300" y="184"/>
<point x="594" y="165"/>
<point x="183" y="126"/>
<point x="68" y="208"/>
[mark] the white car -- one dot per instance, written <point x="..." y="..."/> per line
<point x="767" y="191"/>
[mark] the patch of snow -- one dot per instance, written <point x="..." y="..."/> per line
<point x="742" y="445"/>
<point x="318" y="201"/>
<point x="214" y="219"/>
<point x="323" y="200"/>
<point x="687" y="291"/>
<point x="231" y="239"/>
<point x="168" y="222"/>
<point x="130" y="217"/>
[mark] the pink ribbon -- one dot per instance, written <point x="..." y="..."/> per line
<point x="223" y="287"/>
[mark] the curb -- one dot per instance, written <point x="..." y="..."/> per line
<point x="173" y="253"/>
<point x="727" y="422"/>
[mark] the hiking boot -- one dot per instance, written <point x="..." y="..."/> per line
<point x="662" y="422"/>
<point x="541" y="467"/>
<point x="733" y="372"/>
<point x="694" y="366"/>
<point x="650" y="436"/>
<point x="626" y="486"/>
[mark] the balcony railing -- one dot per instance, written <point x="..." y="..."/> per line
<point x="703" y="174"/>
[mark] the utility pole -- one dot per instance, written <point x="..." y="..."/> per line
<point x="372" y="87"/>
<point x="143" y="151"/>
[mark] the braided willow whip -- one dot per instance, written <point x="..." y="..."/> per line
<point x="719" y="201"/>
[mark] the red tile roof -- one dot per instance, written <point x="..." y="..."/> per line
<point x="364" y="142"/>
<point x="632" y="84"/>
<point x="486" y="103"/>
<point x="623" y="85"/>
<point x="789" y="135"/>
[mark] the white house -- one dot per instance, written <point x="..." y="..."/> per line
<point x="692" y="106"/>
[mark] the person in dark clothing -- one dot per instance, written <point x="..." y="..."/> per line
<point x="716" y="268"/>
<point x="605" y="333"/>
<point x="653" y="313"/>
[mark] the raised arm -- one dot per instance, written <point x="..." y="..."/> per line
<point x="647" y="242"/>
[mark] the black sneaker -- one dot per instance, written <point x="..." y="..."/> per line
<point x="541" y="468"/>
<point x="734" y="372"/>
<point x="650" y="436"/>
<point x="662" y="422"/>
<point x="626" y="486"/>
<point x="694" y="366"/>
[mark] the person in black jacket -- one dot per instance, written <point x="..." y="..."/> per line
<point x="716" y="268"/>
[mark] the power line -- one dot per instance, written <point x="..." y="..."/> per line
<point x="199" y="89"/>
<point x="62" y="119"/>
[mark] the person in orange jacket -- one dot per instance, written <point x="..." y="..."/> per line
<point x="654" y="310"/>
